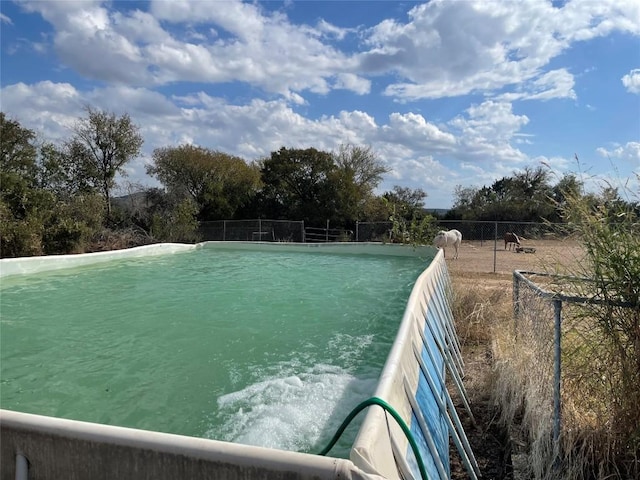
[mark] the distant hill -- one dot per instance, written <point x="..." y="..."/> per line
<point x="440" y="212"/>
<point x="130" y="202"/>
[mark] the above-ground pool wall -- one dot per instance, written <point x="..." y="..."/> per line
<point x="413" y="384"/>
<point x="28" y="265"/>
<point x="43" y="448"/>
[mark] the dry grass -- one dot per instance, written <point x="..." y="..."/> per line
<point x="518" y="377"/>
<point x="107" y="240"/>
<point x="481" y="301"/>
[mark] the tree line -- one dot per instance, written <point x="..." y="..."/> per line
<point x="58" y="198"/>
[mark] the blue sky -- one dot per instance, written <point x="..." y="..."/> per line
<point x="446" y="93"/>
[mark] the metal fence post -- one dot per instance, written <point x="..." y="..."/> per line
<point x="557" y="407"/>
<point x="357" y="223"/>
<point x="516" y="299"/>
<point x="495" y="245"/>
<point x="22" y="467"/>
<point x="224" y="230"/>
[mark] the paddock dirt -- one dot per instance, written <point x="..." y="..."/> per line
<point x="482" y="266"/>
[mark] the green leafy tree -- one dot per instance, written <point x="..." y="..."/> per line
<point x="176" y="222"/>
<point x="220" y="185"/>
<point x="42" y="208"/>
<point x="359" y="171"/>
<point x="527" y="196"/>
<point x="410" y="222"/>
<point x="102" y="145"/>
<point x="72" y="224"/>
<point x="300" y="184"/>
<point x="23" y="206"/>
<point x="63" y="172"/>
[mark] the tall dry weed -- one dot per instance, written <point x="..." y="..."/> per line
<point x="600" y="359"/>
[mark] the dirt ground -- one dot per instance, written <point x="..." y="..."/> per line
<point x="474" y="268"/>
<point x="482" y="257"/>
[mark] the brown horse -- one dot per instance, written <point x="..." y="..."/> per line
<point x="511" y="239"/>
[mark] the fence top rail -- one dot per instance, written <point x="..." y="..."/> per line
<point x="492" y="222"/>
<point x="501" y="222"/>
<point x="521" y="275"/>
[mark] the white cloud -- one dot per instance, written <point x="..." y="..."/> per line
<point x="5" y="19"/>
<point x="332" y="30"/>
<point x="445" y="49"/>
<point x="450" y="48"/>
<point x="553" y="84"/>
<point x="50" y="109"/>
<point x="631" y="81"/>
<point x="249" y="45"/>
<point x="487" y="131"/>
<point x="356" y="84"/>
<point x="628" y="152"/>
<point x="413" y="130"/>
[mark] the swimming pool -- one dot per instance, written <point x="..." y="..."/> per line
<point x="263" y="347"/>
<point x="283" y="380"/>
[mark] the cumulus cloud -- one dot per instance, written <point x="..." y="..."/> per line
<point x="48" y="108"/>
<point x="5" y="19"/>
<point x="444" y="49"/>
<point x="449" y="49"/>
<point x="356" y="84"/>
<point x="486" y="132"/>
<point x="237" y="42"/>
<point x="628" y="152"/>
<point x="412" y="129"/>
<point x="631" y="81"/>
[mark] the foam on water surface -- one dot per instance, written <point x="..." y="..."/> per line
<point x="296" y="411"/>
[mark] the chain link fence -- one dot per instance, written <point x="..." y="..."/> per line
<point x="293" y="230"/>
<point x="252" y="231"/>
<point x="490" y="231"/>
<point x="560" y="377"/>
<point x="472" y="230"/>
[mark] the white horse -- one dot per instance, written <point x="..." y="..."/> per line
<point x="446" y="239"/>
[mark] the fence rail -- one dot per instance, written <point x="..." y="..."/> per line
<point x="294" y="230"/>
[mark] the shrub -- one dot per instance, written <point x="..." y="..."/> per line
<point x="603" y="372"/>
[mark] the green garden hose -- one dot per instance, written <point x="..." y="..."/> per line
<point x="395" y="415"/>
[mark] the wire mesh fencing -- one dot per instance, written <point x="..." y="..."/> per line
<point x="495" y="231"/>
<point x="564" y="376"/>
<point x="258" y="230"/>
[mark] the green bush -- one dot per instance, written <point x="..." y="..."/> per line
<point x="177" y="224"/>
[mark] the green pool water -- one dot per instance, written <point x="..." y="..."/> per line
<point x="255" y="347"/>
